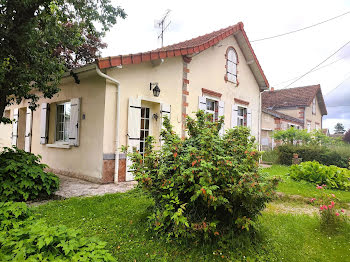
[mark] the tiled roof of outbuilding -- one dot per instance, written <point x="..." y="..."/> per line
<point x="283" y="116"/>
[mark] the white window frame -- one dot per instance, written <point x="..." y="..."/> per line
<point x="233" y="70"/>
<point x="314" y="106"/>
<point x="216" y="104"/>
<point x="61" y="142"/>
<point x="308" y="125"/>
<point x="242" y="117"/>
<point x="142" y="129"/>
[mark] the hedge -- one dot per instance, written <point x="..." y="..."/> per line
<point x="320" y="154"/>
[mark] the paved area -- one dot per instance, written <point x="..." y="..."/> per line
<point x="72" y="187"/>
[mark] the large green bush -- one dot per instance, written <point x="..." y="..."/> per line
<point x="314" y="172"/>
<point x="205" y="185"/>
<point x="320" y="154"/>
<point x="22" y="176"/>
<point x="24" y="239"/>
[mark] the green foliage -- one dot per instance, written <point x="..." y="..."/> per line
<point x="332" y="217"/>
<point x="12" y="215"/>
<point x="292" y="135"/>
<point x="339" y="128"/>
<point x="321" y="154"/>
<point x="40" y="40"/>
<point x="270" y="156"/>
<point x="314" y="172"/>
<point x="346" y="137"/>
<point x="295" y="136"/>
<point x="22" y="176"/>
<point x="24" y="239"/>
<point x="204" y="185"/>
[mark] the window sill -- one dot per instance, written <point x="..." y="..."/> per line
<point x="59" y="146"/>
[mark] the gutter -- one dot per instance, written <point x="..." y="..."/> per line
<point x="116" y="169"/>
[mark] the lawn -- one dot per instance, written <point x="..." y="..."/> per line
<point x="289" y="186"/>
<point x="120" y="220"/>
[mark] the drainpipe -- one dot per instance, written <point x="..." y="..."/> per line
<point x="260" y="123"/>
<point x="117" y="122"/>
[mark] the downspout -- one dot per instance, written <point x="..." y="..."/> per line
<point x="116" y="169"/>
<point x="260" y="115"/>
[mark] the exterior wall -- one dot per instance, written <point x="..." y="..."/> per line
<point x="135" y="82"/>
<point x="6" y="131"/>
<point x="297" y="112"/>
<point x="207" y="70"/>
<point x="313" y="118"/>
<point x="84" y="161"/>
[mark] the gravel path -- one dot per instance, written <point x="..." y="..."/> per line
<point x="72" y="187"/>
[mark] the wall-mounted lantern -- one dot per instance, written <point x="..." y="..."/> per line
<point x="156" y="89"/>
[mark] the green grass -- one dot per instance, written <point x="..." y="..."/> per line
<point x="270" y="156"/>
<point x="291" y="187"/>
<point x="120" y="220"/>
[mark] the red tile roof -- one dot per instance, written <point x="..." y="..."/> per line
<point x="293" y="97"/>
<point x="194" y="45"/>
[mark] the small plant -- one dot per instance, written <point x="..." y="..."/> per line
<point x="314" y="172"/>
<point x="332" y="217"/>
<point x="22" y="176"/>
<point x="205" y="185"/>
<point x="24" y="239"/>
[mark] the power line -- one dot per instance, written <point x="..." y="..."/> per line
<point x="346" y="78"/>
<point x="308" y="72"/>
<point x="301" y="29"/>
<point x="331" y="63"/>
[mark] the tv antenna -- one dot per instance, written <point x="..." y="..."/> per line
<point x="163" y="25"/>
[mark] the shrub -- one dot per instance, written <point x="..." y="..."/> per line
<point x="314" y="172"/>
<point x="22" y="176"/>
<point x="331" y="217"/>
<point x="320" y="154"/>
<point x="29" y="240"/>
<point x="12" y="215"/>
<point x="205" y="185"/>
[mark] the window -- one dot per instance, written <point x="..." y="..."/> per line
<point x="317" y="126"/>
<point x="63" y="115"/>
<point x="308" y="127"/>
<point x="212" y="108"/>
<point x="145" y="119"/>
<point x="231" y="65"/>
<point x="242" y="116"/>
<point x="314" y="106"/>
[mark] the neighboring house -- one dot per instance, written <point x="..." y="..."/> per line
<point x="326" y="131"/>
<point x="299" y="107"/>
<point x="79" y="132"/>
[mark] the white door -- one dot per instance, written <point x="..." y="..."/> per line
<point x="134" y="132"/>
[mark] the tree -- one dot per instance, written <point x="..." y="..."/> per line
<point x="42" y="39"/>
<point x="346" y="137"/>
<point x="339" y="128"/>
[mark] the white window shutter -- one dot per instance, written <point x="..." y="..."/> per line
<point x="234" y="116"/>
<point x="202" y="103"/>
<point x="15" y="127"/>
<point x="74" y="124"/>
<point x="44" y="123"/>
<point x="249" y="118"/>
<point x="165" y="111"/>
<point x="221" y="112"/>
<point x="28" y="133"/>
<point x="134" y="130"/>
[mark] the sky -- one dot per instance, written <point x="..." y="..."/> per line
<point x="283" y="59"/>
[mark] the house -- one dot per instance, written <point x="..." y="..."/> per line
<point x="121" y="100"/>
<point x="326" y="131"/>
<point x="299" y="107"/>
